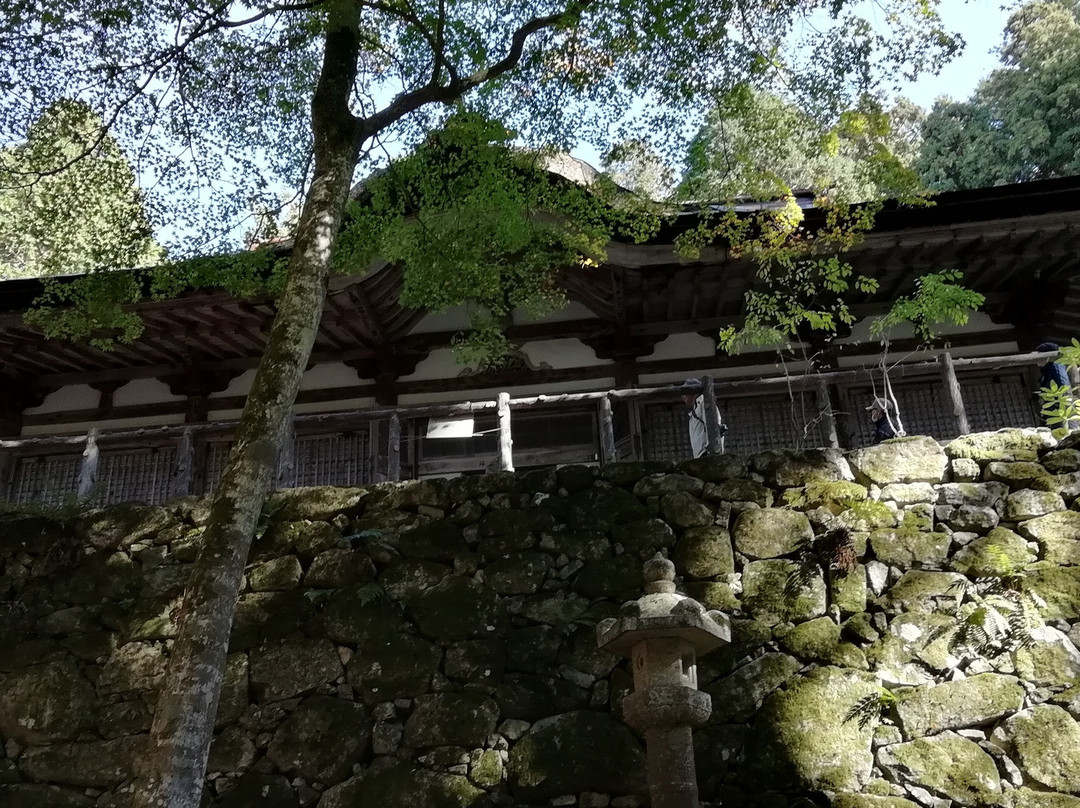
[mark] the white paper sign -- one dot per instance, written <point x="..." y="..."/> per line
<point x="450" y="427"/>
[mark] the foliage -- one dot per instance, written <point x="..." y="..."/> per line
<point x="64" y="215"/>
<point x="832" y="554"/>
<point x="939" y="298"/>
<point x="997" y="614"/>
<point x="471" y="220"/>
<point x="871" y="708"/>
<point x="637" y="167"/>
<point x="1021" y="123"/>
<point x="1059" y="405"/>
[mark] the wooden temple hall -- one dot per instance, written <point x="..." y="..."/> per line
<point x="384" y="398"/>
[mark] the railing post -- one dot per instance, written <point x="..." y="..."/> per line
<point x="185" y="463"/>
<point x="506" y="440"/>
<point x="286" y="466"/>
<point x="952" y="390"/>
<point x="89" y="468"/>
<point x="7" y="470"/>
<point x="393" y="449"/>
<point x="607" y="431"/>
<point x="715" y="443"/>
<point x="828" y="418"/>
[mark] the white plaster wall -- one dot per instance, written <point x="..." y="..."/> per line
<point x="329" y="374"/>
<point x="333" y="406"/>
<point x="439" y="364"/>
<point x="979" y="321"/>
<point x="679" y="346"/>
<point x="450" y="320"/>
<point x="562" y="353"/>
<point x="239" y="386"/>
<point x="143" y="391"/>
<point x="487" y="394"/>
<point x="72" y="397"/>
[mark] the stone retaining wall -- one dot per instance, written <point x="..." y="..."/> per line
<point x="432" y="643"/>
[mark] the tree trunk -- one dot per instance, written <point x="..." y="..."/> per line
<point x="174" y="765"/>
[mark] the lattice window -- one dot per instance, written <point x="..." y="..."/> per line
<point x="45" y="479"/>
<point x="999" y="402"/>
<point x="216" y="455"/>
<point x="331" y="459"/>
<point x="754" y="424"/>
<point x="135" y="475"/>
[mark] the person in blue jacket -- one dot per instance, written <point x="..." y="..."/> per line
<point x="1052" y="372"/>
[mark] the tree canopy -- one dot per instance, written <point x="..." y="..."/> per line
<point x="65" y="213"/>
<point x="1021" y="122"/>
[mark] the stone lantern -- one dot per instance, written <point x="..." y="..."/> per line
<point x="663" y="633"/>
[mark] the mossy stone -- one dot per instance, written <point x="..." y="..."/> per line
<point x="400" y="783"/>
<point x="834" y="495"/>
<point x="716" y="595"/>
<point x="715" y="468"/>
<point x="276" y="575"/>
<point x="979" y="495"/>
<point x="441" y="540"/>
<point x="999" y="553"/>
<point x="971" y="702"/>
<point x="1059" y="587"/>
<point x="1027" y="798"/>
<point x="33" y="795"/>
<point x="766" y="596"/>
<point x="771" y="532"/>
<point x="1061" y="461"/>
<point x="1004" y="444"/>
<point x="945" y="764"/>
<point x="518" y="573"/>
<point x="870" y="801"/>
<point x="1051" y="660"/>
<point x="920" y="590"/>
<point x="642" y="537"/>
<point x="1058" y="535"/>
<point x="575" y="752"/>
<point x="322" y="739"/>
<point x="305" y="539"/>
<point x="683" y="510"/>
<point x="92" y="764"/>
<point x="451" y="719"/>
<point x="848" y="592"/>
<point x="46" y="703"/>
<point x="800" y="738"/>
<point x="657" y="485"/>
<point x="704" y="552"/>
<point x="406" y="577"/>
<point x="904" y="494"/>
<point x="318" y="503"/>
<point x="393" y="665"/>
<point x="625" y="474"/>
<point x="740" y="491"/>
<point x="860" y="627"/>
<point x="1047" y="742"/>
<point x="739" y="695"/>
<point x="486" y="767"/>
<point x="617" y="578"/>
<point x="814" y="639"/>
<point x="531" y="697"/>
<point x="1016" y="475"/>
<point x="907" y="548"/>
<point x="601" y="508"/>
<point x="294" y="668"/>
<point x="926" y="637"/>
<point x="457" y="608"/>
<point x="351" y="616"/>
<point x="967" y="518"/>
<point x="916" y="459"/>
<point x="787" y="468"/>
<point x="1028" y="503"/>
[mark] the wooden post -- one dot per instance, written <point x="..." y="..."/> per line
<point x="715" y="443"/>
<point x="506" y="440"/>
<point x="393" y="449"/>
<point x="607" y="431"/>
<point x="7" y="470"/>
<point x="89" y="468"/>
<point x="185" y="464"/>
<point x="286" y="465"/>
<point x="952" y="391"/>
<point x="828" y="418"/>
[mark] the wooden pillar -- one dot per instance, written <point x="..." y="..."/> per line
<point x="89" y="468"/>
<point x="505" y="460"/>
<point x="607" y="431"/>
<point x="715" y="443"/>
<point x="952" y="393"/>
<point x="828" y="417"/>
<point x="393" y="449"/>
<point x="183" y="472"/>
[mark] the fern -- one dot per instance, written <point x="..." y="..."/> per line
<point x="871" y="707"/>
<point x="997" y="614"/>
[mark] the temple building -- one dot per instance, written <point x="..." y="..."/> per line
<point x="156" y="415"/>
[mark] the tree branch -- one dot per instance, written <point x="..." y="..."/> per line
<point x="433" y="91"/>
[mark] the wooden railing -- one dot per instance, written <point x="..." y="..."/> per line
<point x="184" y="438"/>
